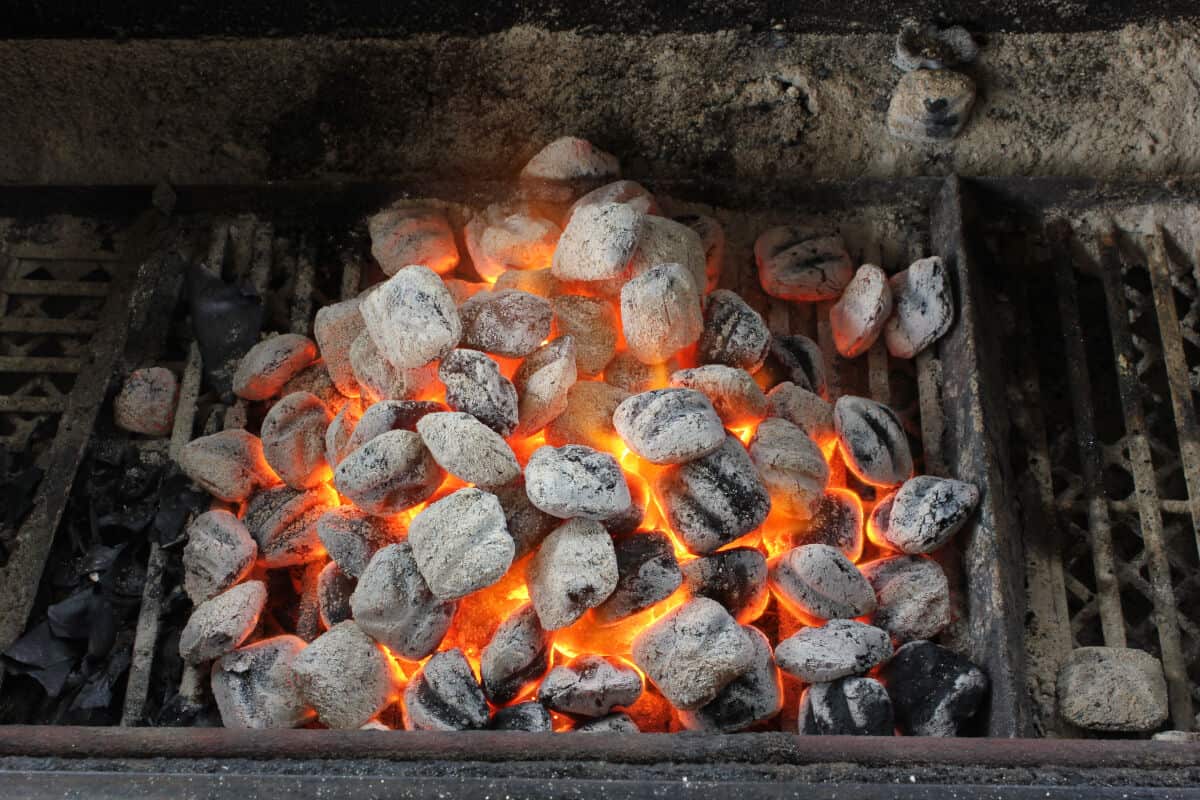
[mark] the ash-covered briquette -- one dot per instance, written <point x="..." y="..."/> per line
<point x="334" y="589"/>
<point x="146" y="402"/>
<point x="632" y="517"/>
<point x="352" y="537"/>
<point x="516" y="657"/>
<point x="574" y="569"/>
<point x="535" y="281"/>
<point x="647" y="573"/>
<point x="750" y="698"/>
<point x="847" y="707"/>
<point x="254" y="686"/>
<point x="626" y="372"/>
<point x="415" y="233"/>
<point x="804" y="409"/>
<point x="393" y="605"/>
<point x="388" y="474"/>
<point x="219" y="553"/>
<point x="926" y="512"/>
<point x="509" y="236"/>
<point x="936" y="691"/>
<point x="335" y="327"/>
<point x="542" y="382"/>
<point x="337" y="435"/>
<point x="669" y="426"/>
<point x="924" y="308"/>
<point x="930" y="105"/>
<point x="913" y="596"/>
<point x="661" y="313"/>
<point x="314" y="379"/>
<point x="445" y="696"/>
<point x="819" y="582"/>
<point x="858" y="317"/>
<point x="379" y="380"/>
<point x="590" y="686"/>
<point x="791" y="465"/>
<point x="629" y="192"/>
<point x="837" y="521"/>
<point x="592" y="323"/>
<point x="530" y="717"/>
<point x="565" y="169"/>
<point x="475" y="386"/>
<point x="734" y="333"/>
<point x="930" y="47"/>
<point x="283" y="522"/>
<point x="229" y="465"/>
<point x="714" y="499"/>
<point x="576" y="481"/>
<point x="508" y="323"/>
<point x="712" y="237"/>
<point x="734" y="395"/>
<point x="838" y="649"/>
<point x="219" y="625"/>
<point x="693" y="653"/>
<point x="468" y="449"/>
<point x="412" y="318"/>
<point x="872" y="441"/>
<point x="293" y="437"/>
<point x="345" y="676"/>
<point x="527" y="524"/>
<point x="461" y="543"/>
<point x="588" y="419"/>
<point x="598" y="242"/>
<point x="619" y="722"/>
<point x="270" y="364"/>
<point x="1113" y="689"/>
<point x="736" y="578"/>
<point x="801" y="262"/>
<point x="797" y="359"/>
<point x="389" y="415"/>
<point x="665" y="241"/>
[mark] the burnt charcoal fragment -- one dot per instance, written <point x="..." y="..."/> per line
<point x="576" y="481"/>
<point x="444" y="696"/>
<point x="734" y="395"/>
<point x="229" y="465"/>
<point x="846" y="707"/>
<point x="527" y="524"/>
<point x="219" y="553"/>
<point x="647" y="573"/>
<point x="818" y="582"/>
<point x="753" y="697"/>
<point x="613" y="723"/>
<point x="508" y="323"/>
<point x="284" y="524"/>
<point x="661" y="313"/>
<point x="352" y="537"/>
<point x="715" y="499"/>
<point x="531" y="717"/>
<point x="390" y="473"/>
<point x="872" y="441"/>
<point x="475" y="385"/>
<point x="924" y="308"/>
<point x="734" y="333"/>
<point x="598" y="242"/>
<point x="574" y="569"/>
<point x="468" y="449"/>
<point x="394" y="606"/>
<point x="254" y="686"/>
<point x="913" y="596"/>
<point x="837" y="521"/>
<point x="797" y="359"/>
<point x="226" y="321"/>
<point x="517" y="656"/>
<point x="926" y="512"/>
<point x="345" y="676"/>
<point x="412" y="234"/>
<point x="293" y="437"/>
<point x="735" y="578"/>
<point x="857" y="319"/>
<point x="334" y="588"/>
<point x="590" y="686"/>
<point x="669" y="426"/>
<point x="839" y="649"/>
<point x="412" y="318"/>
<point x="791" y="466"/>
<point x="461" y="543"/>
<point x="1113" y="689"/>
<point x="936" y="691"/>
<point x="270" y="364"/>
<point x="804" y="409"/>
<point x="802" y="263"/>
<point x="542" y="382"/>
<point x="218" y="626"/>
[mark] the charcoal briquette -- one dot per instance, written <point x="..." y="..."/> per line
<point x="927" y="511"/>
<point x="846" y="707"/>
<point x="461" y="543"/>
<point x="592" y="323"/>
<point x="219" y="553"/>
<point x="388" y="474"/>
<point x="924" y="308"/>
<point x="574" y="569"/>
<point x="791" y="466"/>
<point x="590" y="686"/>
<point x="416" y="233"/>
<point x="527" y="524"/>
<point x="736" y="578"/>
<point x="146" y="402"/>
<point x="517" y="655"/>
<point x="665" y="241"/>
<point x="345" y="676"/>
<point x="576" y="481"/>
<point x="220" y="624"/>
<point x="750" y="698"/>
<point x="270" y="364"/>
<point x="712" y="237"/>
<point x="734" y="395"/>
<point x="838" y="649"/>
<point x="804" y="409"/>
<point x="837" y="521"/>
<point x="588" y="418"/>
<point x="334" y="588"/>
<point x="468" y="449"/>
<point x="412" y="318"/>
<point x="647" y="572"/>
<point x="936" y="692"/>
<point x="565" y="169"/>
<point x="598" y="242"/>
<point x="530" y="717"/>
<point x="872" y="441"/>
<point x="335" y="328"/>
<point x="293" y="437"/>
<point x="619" y="722"/>
<point x="797" y="359"/>
<point x="628" y="192"/>
<point x="255" y="687"/>
<point x="734" y="333"/>
<point x="283" y="522"/>
<point x="913" y="596"/>
<point x="475" y="386"/>
<point x="393" y="605"/>
<point x="508" y="322"/>
<point x="669" y="426"/>
<point x="661" y="313"/>
<point x="229" y="464"/>
<point x="542" y="383"/>
<point x="802" y="263"/>
<point x="857" y="319"/>
<point x="819" y="582"/>
<point x="445" y="696"/>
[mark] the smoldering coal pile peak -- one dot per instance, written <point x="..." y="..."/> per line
<point x="549" y="484"/>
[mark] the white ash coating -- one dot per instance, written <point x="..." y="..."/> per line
<point x="661" y="313"/>
<point x="334" y="589"/>
<point x="802" y="263"/>
<point x="913" y="596"/>
<point x="590" y="686"/>
<point x="445" y="696"/>
<point x="468" y="449"/>
<point x="146" y="402"/>
<point x="1113" y="689"/>
<point x="219" y="553"/>
<point x="930" y="105"/>
<point x="752" y="697"/>
<point x="390" y="415"/>
<point x="924" y="308"/>
<point x="598" y="243"/>
<point x="335" y="328"/>
<point x="229" y="465"/>
<point x="715" y="499"/>
<point x="693" y="653"/>
<point x="628" y="192"/>
<point x="592" y="323"/>
<point x="508" y="322"/>
<point x="619" y="722"/>
<point x="461" y="543"/>
<point x="791" y="465"/>
<point x="345" y="676"/>
<point x="394" y="606"/>
<point x="390" y="473"/>
<point x="378" y="379"/>
<point x="475" y="385"/>
<point x="588" y="418"/>
<point x="535" y="281"/>
<point x="337" y="435"/>
<point x="647" y="573"/>
<point x="712" y="237"/>
<point x="927" y="511"/>
<point x="846" y="707"/>
<point x="352" y="537"/>
<point x="574" y="569"/>
<point x="805" y="409"/>
<point x="665" y="241"/>
<point x="527" y="524"/>
<point x="576" y="481"/>
<point x="566" y="168"/>
<point x="734" y="333"/>
<point x="542" y="383"/>
<point x="669" y="426"/>
<point x="736" y="578"/>
<point x="219" y="625"/>
<point x="821" y="583"/>
<point x="412" y="318"/>
<point x="872" y="441"/>
<point x="293" y="437"/>
<point x="315" y="380"/>
<point x="626" y="372"/>
<point x="517" y="655"/>
<point x="858" y="317"/>
<point x="270" y="364"/>
<point x="798" y="359"/>
<point x="412" y="234"/>
<point x="510" y="236"/>
<point x="255" y="687"/>
<point x="840" y="648"/>
<point x="283" y="522"/>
